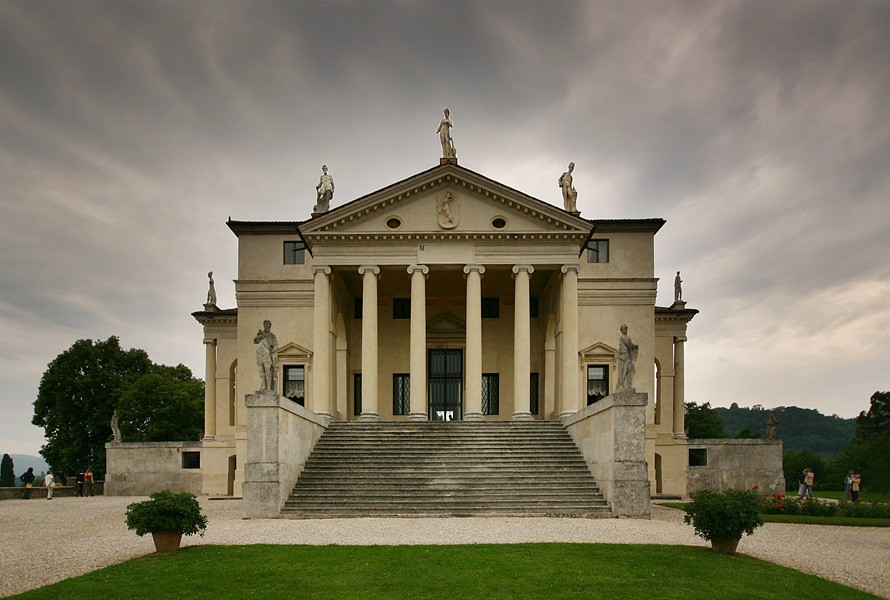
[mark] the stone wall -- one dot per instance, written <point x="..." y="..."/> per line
<point x="141" y="468"/>
<point x="737" y="464"/>
<point x="280" y="437"/>
<point x="611" y="435"/>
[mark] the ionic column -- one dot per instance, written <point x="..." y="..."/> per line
<point x="418" y="343"/>
<point x="369" y="342"/>
<point x="210" y="390"/>
<point x="679" y="387"/>
<point x="321" y="378"/>
<point x="522" y="345"/>
<point x="474" y="343"/>
<point x="568" y="368"/>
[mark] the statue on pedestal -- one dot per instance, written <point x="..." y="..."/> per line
<point x="627" y="362"/>
<point x="771" y="426"/>
<point x="115" y="428"/>
<point x="266" y="359"/>
<point x="444" y="131"/>
<point x="569" y="194"/>
<point x="325" y="192"/>
<point x="678" y="289"/>
<point x="211" y="293"/>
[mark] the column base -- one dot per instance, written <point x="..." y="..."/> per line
<point x="566" y="413"/>
<point x="417" y="416"/>
<point x="208" y="438"/>
<point x="680" y="436"/>
<point x="474" y="416"/>
<point x="523" y="415"/>
<point x="368" y="417"/>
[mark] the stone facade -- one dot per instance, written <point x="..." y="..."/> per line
<point x="722" y="464"/>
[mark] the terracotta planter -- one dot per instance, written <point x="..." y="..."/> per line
<point x="724" y="546"/>
<point x="166" y="541"/>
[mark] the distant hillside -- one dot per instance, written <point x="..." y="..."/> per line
<point x="799" y="428"/>
<point x="21" y="462"/>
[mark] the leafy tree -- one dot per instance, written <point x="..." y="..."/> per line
<point x="795" y="461"/>
<point x="78" y="393"/>
<point x="745" y="433"/>
<point x="799" y="428"/>
<point x="703" y="421"/>
<point x="869" y="452"/>
<point x="7" y="472"/>
<point x="166" y="404"/>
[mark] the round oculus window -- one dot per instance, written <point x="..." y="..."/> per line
<point x="498" y="222"/>
<point x="393" y="222"/>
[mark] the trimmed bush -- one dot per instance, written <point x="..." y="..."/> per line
<point x="166" y="511"/>
<point x="725" y="516"/>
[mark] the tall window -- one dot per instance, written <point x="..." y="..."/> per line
<point x="401" y="394"/>
<point x="295" y="384"/>
<point x="597" y="383"/>
<point x="401" y="308"/>
<point x="534" y="408"/>
<point x="490" y="308"/>
<point x="294" y="253"/>
<point x="598" y="251"/>
<point x="357" y="394"/>
<point x="490" y="393"/>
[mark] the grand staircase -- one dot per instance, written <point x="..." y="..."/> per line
<point x="445" y="469"/>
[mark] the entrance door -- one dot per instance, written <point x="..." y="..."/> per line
<point x="446" y="382"/>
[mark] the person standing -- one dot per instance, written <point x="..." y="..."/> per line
<point x="78" y="490"/>
<point x="88" y="482"/>
<point x="848" y="486"/>
<point x="857" y="482"/>
<point x="811" y="477"/>
<point x="49" y="482"/>
<point x="28" y="479"/>
<point x="802" y="484"/>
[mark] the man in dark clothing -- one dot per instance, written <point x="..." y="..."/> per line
<point x="78" y="491"/>
<point x="28" y="479"/>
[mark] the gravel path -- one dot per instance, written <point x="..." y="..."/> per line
<point x="43" y="542"/>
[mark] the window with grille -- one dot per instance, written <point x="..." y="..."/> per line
<point x="490" y="393"/>
<point x="295" y="383"/>
<point x="698" y="457"/>
<point x="597" y="383"/>
<point x="191" y="460"/>
<point x="401" y="394"/>
<point x="533" y="395"/>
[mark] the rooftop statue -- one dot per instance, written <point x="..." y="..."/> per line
<point x="569" y="193"/>
<point x="444" y="131"/>
<point x="627" y="362"/>
<point x="771" y="426"/>
<point x="211" y="293"/>
<point x="325" y="191"/>
<point x="678" y="289"/>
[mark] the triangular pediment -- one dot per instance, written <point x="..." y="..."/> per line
<point x="446" y="326"/>
<point x="293" y="351"/>
<point x="599" y="352"/>
<point x="446" y="201"/>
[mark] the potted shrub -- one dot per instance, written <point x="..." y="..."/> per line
<point x="723" y="518"/>
<point x="167" y="516"/>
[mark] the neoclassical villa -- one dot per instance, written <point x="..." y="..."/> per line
<point x="446" y="296"/>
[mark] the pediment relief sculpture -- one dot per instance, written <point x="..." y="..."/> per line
<point x="447" y="326"/>
<point x="448" y="210"/>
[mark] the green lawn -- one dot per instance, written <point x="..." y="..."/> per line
<point x="864" y="496"/>
<point x="527" y="571"/>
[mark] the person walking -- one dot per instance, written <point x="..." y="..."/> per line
<point x="28" y="479"/>
<point x="88" y="482"/>
<point x="49" y="482"/>
<point x="857" y="482"/>
<point x="848" y="486"/>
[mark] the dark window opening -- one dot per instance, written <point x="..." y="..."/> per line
<point x="534" y="407"/>
<point x="698" y="457"/>
<point x="498" y="223"/>
<point x="295" y="384"/>
<point x="598" y="251"/>
<point x="357" y="308"/>
<point x="490" y="393"/>
<point x="191" y="460"/>
<point x="401" y="393"/>
<point x="294" y="253"/>
<point x="357" y="394"/>
<point x="597" y="383"/>
<point x="533" y="308"/>
<point x="401" y="308"/>
<point x="491" y="308"/>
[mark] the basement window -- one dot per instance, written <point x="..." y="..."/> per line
<point x="191" y="460"/>
<point x="698" y="457"/>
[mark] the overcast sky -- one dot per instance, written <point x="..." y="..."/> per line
<point x="760" y="130"/>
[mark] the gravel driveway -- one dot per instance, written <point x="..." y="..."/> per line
<point x="42" y="542"/>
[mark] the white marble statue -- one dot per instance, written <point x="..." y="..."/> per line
<point x="325" y="190"/>
<point x="444" y="131"/>
<point x="211" y="293"/>
<point x="569" y="193"/>
<point x="678" y="289"/>
<point x="266" y="358"/>
<point x="627" y="362"/>
<point x="115" y="428"/>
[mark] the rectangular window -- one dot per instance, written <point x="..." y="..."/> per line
<point x="533" y="308"/>
<point x="698" y="457"/>
<point x="295" y="383"/>
<point x="191" y="460"/>
<point x="490" y="393"/>
<point x="490" y="308"/>
<point x="357" y="308"/>
<point x="598" y="251"/>
<point x="357" y="394"/>
<point x="597" y="383"/>
<point x="534" y="408"/>
<point x="401" y="308"/>
<point x="401" y="393"/>
<point x="294" y="253"/>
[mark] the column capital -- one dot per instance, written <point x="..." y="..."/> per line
<point x="369" y="268"/>
<point x="412" y="269"/>
<point x="474" y="268"/>
<point x="519" y="268"/>
<point x="316" y="269"/>
<point x="680" y="338"/>
<point x="566" y="268"/>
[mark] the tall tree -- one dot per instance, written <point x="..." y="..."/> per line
<point x="7" y="472"/>
<point x="166" y="404"/>
<point x="77" y="396"/>
<point x="869" y="452"/>
<point x="702" y="421"/>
